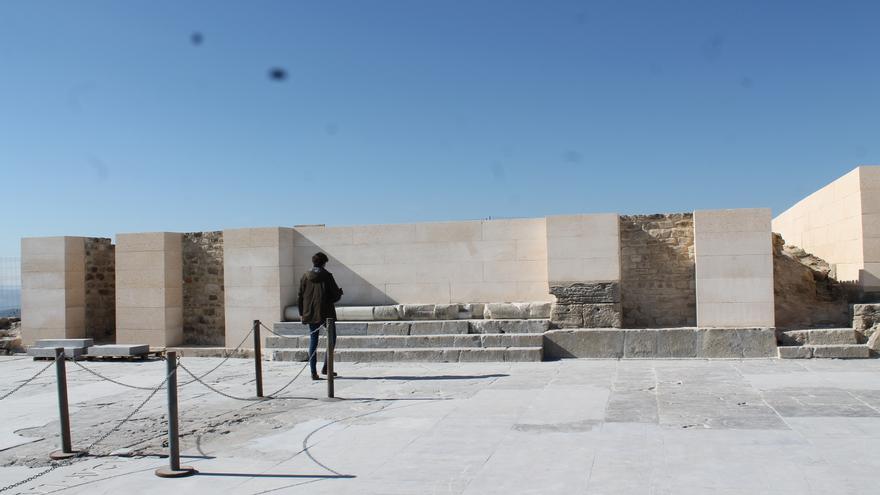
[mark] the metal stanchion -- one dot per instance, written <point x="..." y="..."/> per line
<point x="174" y="470"/>
<point x="258" y="358"/>
<point x="331" y="346"/>
<point x="63" y="411"/>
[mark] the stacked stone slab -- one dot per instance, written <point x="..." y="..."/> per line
<point x="73" y="348"/>
<point x="841" y="343"/>
<point x="419" y="340"/>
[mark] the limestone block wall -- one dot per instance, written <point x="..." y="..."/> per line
<point x="657" y="280"/>
<point x="259" y="279"/>
<point x="583" y="269"/>
<point x="53" y="288"/>
<point x="100" y="287"/>
<point x="149" y="289"/>
<point x="204" y="313"/>
<point x="447" y="262"/>
<point x="734" y="268"/>
<point x="840" y="223"/>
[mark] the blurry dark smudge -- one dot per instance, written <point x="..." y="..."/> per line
<point x="746" y="82"/>
<point x="277" y="74"/>
<point x="77" y="93"/>
<point x="99" y="167"/>
<point x="196" y="38"/>
<point x="498" y="171"/>
<point x="572" y="156"/>
<point x="331" y="129"/>
<point x="712" y="47"/>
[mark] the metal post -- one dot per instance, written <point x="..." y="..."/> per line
<point x="258" y="358"/>
<point x="63" y="411"/>
<point x="331" y="333"/>
<point x="175" y="470"/>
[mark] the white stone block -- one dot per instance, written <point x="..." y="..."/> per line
<point x="449" y="231"/>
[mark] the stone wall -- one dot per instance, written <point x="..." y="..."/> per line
<point x="100" y="275"/>
<point x="658" y="287"/>
<point x="203" y="290"/>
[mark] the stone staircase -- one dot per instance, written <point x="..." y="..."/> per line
<point x="420" y="341"/>
<point x="840" y="343"/>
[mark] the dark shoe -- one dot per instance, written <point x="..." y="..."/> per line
<point x="315" y="376"/>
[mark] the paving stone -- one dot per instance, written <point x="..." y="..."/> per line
<point x="49" y="352"/>
<point x="841" y="351"/>
<point x="795" y="352"/>
<point x="64" y="343"/>
<point x="388" y="328"/>
<point x="386" y="313"/>
<point x="118" y="350"/>
<point x="738" y="343"/>
<point x="678" y="343"/>
<point x="584" y="343"/>
<point x="438" y="327"/>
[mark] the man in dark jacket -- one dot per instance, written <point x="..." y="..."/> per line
<point x="317" y="293"/>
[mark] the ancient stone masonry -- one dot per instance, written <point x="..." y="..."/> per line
<point x="657" y="270"/>
<point x="203" y="298"/>
<point x="586" y="305"/>
<point x="805" y="294"/>
<point x="100" y="268"/>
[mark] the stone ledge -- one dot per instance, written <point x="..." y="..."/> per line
<point x="613" y="343"/>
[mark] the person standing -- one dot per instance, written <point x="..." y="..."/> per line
<point x="317" y="294"/>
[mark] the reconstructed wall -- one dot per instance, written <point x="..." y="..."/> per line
<point x="100" y="286"/>
<point x="149" y="289"/>
<point x="448" y="262"/>
<point x="52" y="288"/>
<point x="840" y="223"/>
<point x="584" y="270"/>
<point x="734" y="268"/>
<point x="658" y="285"/>
<point x="204" y="318"/>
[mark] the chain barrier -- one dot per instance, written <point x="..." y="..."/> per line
<point x="22" y="384"/>
<point x="111" y="380"/>
<point x="83" y="453"/>
<point x="215" y="368"/>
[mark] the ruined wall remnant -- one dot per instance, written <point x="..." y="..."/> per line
<point x="586" y="305"/>
<point x="806" y="296"/>
<point x="100" y="283"/>
<point x="657" y="282"/>
<point x="203" y="298"/>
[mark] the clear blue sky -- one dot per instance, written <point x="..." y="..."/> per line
<point x="112" y="120"/>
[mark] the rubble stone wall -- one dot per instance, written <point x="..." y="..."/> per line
<point x="657" y="284"/>
<point x="100" y="283"/>
<point x="203" y="299"/>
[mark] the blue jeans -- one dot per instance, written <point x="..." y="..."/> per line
<point x="313" y="347"/>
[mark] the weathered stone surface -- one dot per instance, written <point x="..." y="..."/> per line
<point x="347" y="328"/>
<point x="386" y="313"/>
<point x="583" y="343"/>
<point x="539" y="310"/>
<point x="49" y="352"/>
<point x="795" y="352"/>
<point x="841" y="351"/>
<point x="509" y="326"/>
<point x="602" y="316"/>
<point x="586" y="293"/>
<point x="657" y="277"/>
<point x="118" y="350"/>
<point x="204" y="313"/>
<point x="507" y="311"/>
<point x="100" y="285"/>
<point x="874" y="342"/>
<point x="805" y="294"/>
<point x="866" y="319"/>
<point x="446" y="312"/>
<point x="429" y="311"/>
<point x="823" y="336"/>
<point x="438" y="327"/>
<point x="388" y="328"/>
<point x="53" y="343"/>
<point x="640" y="343"/>
<point x="678" y="343"/>
<point x="567" y="315"/>
<point x="738" y="342"/>
<point x="476" y="310"/>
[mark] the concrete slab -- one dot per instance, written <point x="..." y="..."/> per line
<point x="118" y="350"/>
<point x="64" y="343"/>
<point x="49" y="352"/>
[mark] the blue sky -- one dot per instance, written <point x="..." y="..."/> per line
<point x="111" y="120"/>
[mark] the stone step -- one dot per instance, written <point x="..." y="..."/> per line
<point x="49" y="352"/>
<point x="819" y="336"/>
<point x="434" y="355"/>
<point x="413" y="341"/>
<point x="422" y="327"/>
<point x="52" y="343"/>
<point x="856" y="351"/>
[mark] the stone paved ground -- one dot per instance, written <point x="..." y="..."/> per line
<point x="598" y="427"/>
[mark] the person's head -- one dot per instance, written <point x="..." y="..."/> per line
<point x="319" y="259"/>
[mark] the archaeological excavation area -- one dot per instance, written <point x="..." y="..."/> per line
<point x="734" y="283"/>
